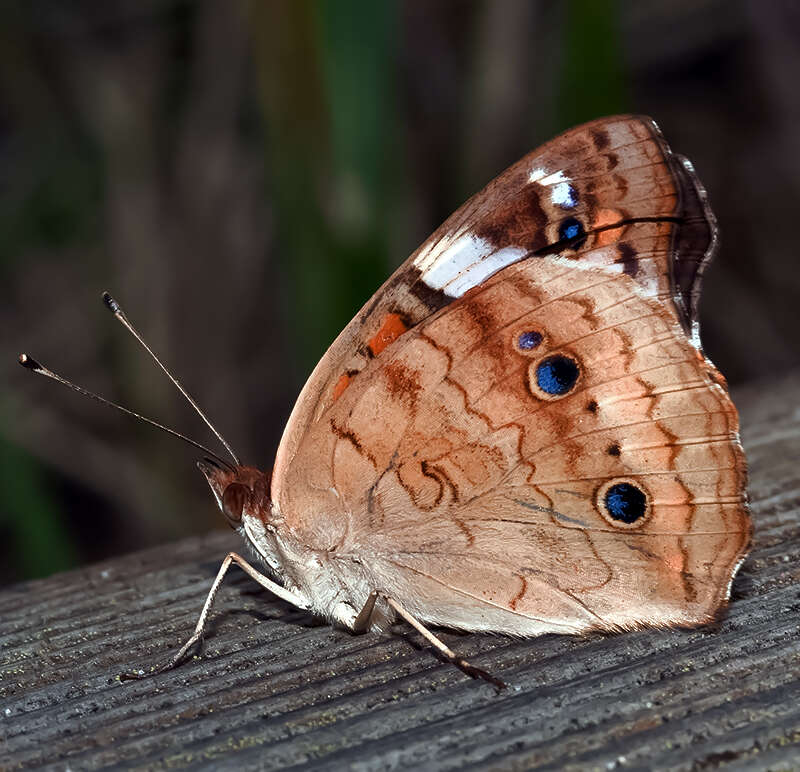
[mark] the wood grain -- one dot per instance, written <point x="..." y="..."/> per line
<point x="274" y="690"/>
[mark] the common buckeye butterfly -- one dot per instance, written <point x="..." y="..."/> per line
<point x="519" y="432"/>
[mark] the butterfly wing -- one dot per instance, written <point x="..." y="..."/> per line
<point x="604" y="176"/>
<point x="518" y="432"/>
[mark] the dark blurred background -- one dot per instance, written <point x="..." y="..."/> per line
<point x="243" y="175"/>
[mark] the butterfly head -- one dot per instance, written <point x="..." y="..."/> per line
<point x="238" y="490"/>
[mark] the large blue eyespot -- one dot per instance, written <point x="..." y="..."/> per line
<point x="571" y="229"/>
<point x="557" y="374"/>
<point x="529" y="340"/>
<point x="625" y="502"/>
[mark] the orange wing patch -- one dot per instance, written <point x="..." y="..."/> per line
<point x="342" y="384"/>
<point x="603" y="219"/>
<point x="392" y="328"/>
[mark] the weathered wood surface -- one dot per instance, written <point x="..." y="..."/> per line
<point x="275" y="690"/>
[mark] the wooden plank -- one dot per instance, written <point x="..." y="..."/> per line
<point x="275" y="690"/>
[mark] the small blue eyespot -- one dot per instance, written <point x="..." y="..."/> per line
<point x="625" y="502"/>
<point x="571" y="229"/>
<point x="557" y="374"/>
<point x="529" y="340"/>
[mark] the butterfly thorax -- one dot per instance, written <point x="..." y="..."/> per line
<point x="242" y="494"/>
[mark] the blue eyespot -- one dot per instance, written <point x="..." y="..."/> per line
<point x="529" y="340"/>
<point x="571" y="229"/>
<point x="557" y="374"/>
<point x="625" y="502"/>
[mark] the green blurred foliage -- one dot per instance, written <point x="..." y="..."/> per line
<point x="595" y="85"/>
<point x="327" y="86"/>
<point x="32" y="518"/>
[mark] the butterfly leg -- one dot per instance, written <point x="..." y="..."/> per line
<point x="364" y="617"/>
<point x="197" y="637"/>
<point x="460" y="663"/>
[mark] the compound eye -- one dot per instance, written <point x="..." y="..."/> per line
<point x="234" y="500"/>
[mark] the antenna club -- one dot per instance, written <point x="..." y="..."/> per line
<point x="111" y="304"/>
<point x="29" y="363"/>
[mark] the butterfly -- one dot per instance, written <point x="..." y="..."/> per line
<point x="519" y="432"/>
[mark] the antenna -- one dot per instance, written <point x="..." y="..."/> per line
<point x="29" y="363"/>
<point x="115" y="309"/>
